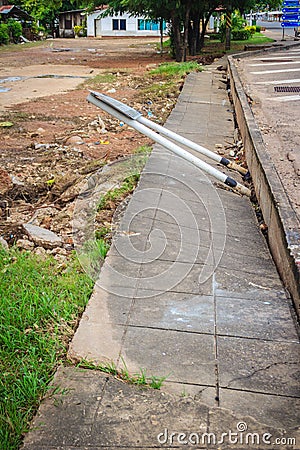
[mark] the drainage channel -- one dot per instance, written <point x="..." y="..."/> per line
<point x="295" y="89"/>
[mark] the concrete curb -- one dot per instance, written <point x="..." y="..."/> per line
<point x="282" y="221"/>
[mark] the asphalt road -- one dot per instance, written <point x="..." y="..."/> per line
<point x="274" y="30"/>
<point x="272" y="82"/>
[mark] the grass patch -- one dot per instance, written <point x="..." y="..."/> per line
<point x="258" y="38"/>
<point x="162" y="88"/>
<point x="139" y="379"/>
<point x="166" y="80"/>
<point x="133" y="168"/>
<point x="216" y="47"/>
<point x="40" y="307"/>
<point x="17" y="47"/>
<point x="126" y="188"/>
<point x="143" y="150"/>
<point x="102" y="78"/>
<point x="179" y="70"/>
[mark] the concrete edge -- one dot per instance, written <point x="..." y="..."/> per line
<point x="283" y="224"/>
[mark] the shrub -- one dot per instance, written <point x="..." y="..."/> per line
<point x="77" y="29"/>
<point x="240" y="35"/>
<point x="252" y="29"/>
<point x="258" y="28"/>
<point x="14" y="30"/>
<point x="4" y="35"/>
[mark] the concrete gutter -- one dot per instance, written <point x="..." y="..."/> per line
<point x="282" y="221"/>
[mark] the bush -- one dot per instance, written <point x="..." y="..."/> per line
<point x="258" y="28"/>
<point x="14" y="30"/>
<point x="240" y="35"/>
<point x="214" y="36"/>
<point x="4" y="35"/>
<point x="251" y="28"/>
<point x="77" y="30"/>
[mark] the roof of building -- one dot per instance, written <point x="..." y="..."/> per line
<point x="14" y="11"/>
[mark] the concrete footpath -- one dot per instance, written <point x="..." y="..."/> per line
<point x="188" y="291"/>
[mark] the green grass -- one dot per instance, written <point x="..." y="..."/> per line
<point x="139" y="379"/>
<point x="18" y="47"/>
<point x="257" y="38"/>
<point x="101" y="78"/>
<point x="169" y="70"/>
<point x="143" y="150"/>
<point x="127" y="187"/>
<point x="156" y="90"/>
<point x="40" y="306"/>
<point x="216" y="47"/>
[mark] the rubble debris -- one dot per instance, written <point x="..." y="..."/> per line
<point x="5" y="181"/>
<point x="25" y="244"/>
<point x="41" y="252"/>
<point x="75" y="140"/>
<point x="42" y="237"/>
<point x="3" y="243"/>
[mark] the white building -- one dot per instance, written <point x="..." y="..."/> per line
<point x="121" y="25"/>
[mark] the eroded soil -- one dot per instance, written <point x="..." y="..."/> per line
<point x="52" y="139"/>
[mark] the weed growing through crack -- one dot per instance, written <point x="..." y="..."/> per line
<point x="139" y="379"/>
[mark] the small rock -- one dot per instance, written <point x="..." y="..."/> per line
<point x="41" y="146"/>
<point x="24" y="244"/>
<point x="60" y="258"/>
<point x="232" y="153"/>
<point x="219" y="145"/>
<point x="59" y="251"/>
<point x="40" y="130"/>
<point x="3" y="243"/>
<point x="75" y="140"/>
<point x="78" y="151"/>
<point x="40" y="251"/>
<point x="5" y="181"/>
<point x="42" y="237"/>
<point x="111" y="91"/>
<point x="16" y="181"/>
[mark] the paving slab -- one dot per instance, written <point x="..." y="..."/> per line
<point x="88" y="409"/>
<point x="259" y="366"/>
<point x="188" y="291"/>
<point x="234" y="319"/>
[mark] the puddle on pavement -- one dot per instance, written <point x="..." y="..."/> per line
<point x="9" y="79"/>
<point x="60" y="76"/>
<point x="13" y="79"/>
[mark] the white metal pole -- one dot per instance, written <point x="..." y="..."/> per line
<point x="198" y="148"/>
<point x="170" y="145"/>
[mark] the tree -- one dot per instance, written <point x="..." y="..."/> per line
<point x="45" y="11"/>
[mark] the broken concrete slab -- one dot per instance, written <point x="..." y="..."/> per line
<point x="42" y="237"/>
<point x="99" y="411"/>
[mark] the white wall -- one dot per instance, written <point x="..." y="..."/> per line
<point x="103" y="27"/>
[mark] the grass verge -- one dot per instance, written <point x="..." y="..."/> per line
<point x="40" y="306"/>
<point x="166" y="80"/>
<point x="216" y="47"/>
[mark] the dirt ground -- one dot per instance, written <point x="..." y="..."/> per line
<point x="52" y="138"/>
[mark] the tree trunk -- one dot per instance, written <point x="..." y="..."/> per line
<point x="194" y="35"/>
<point x="204" y="26"/>
<point x="186" y="30"/>
<point x="161" y="28"/>
<point x="177" y="36"/>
